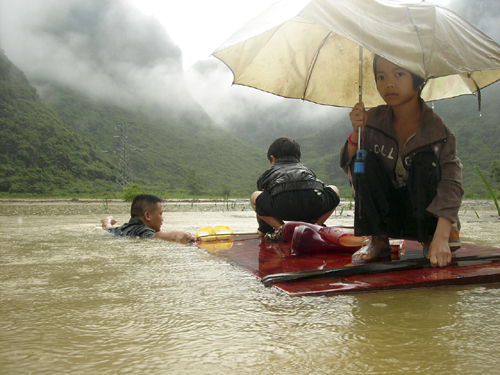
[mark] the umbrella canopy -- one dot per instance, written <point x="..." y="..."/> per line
<point x="309" y="49"/>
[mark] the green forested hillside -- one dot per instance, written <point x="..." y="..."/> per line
<point x="320" y="152"/>
<point x="168" y="149"/>
<point x="478" y="134"/>
<point x="56" y="145"/>
<point x="38" y="154"/>
<point x="101" y="66"/>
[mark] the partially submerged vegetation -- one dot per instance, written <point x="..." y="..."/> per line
<point x="490" y="190"/>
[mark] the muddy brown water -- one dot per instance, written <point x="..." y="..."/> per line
<point x="75" y="301"/>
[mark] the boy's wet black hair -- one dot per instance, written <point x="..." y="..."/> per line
<point x="284" y="146"/>
<point x="418" y="82"/>
<point x="143" y="203"/>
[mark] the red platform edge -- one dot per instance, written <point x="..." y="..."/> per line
<point x="252" y="254"/>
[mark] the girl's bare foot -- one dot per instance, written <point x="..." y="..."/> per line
<point x="373" y="248"/>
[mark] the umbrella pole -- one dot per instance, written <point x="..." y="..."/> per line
<point x="360" y="88"/>
<point x="359" y="163"/>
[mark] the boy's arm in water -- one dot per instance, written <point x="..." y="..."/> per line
<point x="176" y="235"/>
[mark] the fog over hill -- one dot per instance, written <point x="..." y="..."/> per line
<point x="252" y="115"/>
<point x="96" y="64"/>
<point x="104" y="49"/>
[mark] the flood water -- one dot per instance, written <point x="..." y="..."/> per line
<point x="76" y="301"/>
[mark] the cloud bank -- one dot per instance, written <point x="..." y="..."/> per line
<point x="105" y="49"/>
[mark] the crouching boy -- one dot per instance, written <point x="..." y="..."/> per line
<point x="289" y="191"/>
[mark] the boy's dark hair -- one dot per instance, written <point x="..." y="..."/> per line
<point x="418" y="82"/>
<point x="143" y="203"/>
<point x="284" y="146"/>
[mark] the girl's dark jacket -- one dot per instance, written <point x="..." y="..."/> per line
<point x="432" y="134"/>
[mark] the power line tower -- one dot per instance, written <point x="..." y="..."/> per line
<point x="124" y="173"/>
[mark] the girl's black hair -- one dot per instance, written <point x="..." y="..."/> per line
<point x="418" y="82"/>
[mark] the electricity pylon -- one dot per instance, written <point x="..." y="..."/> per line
<point x="124" y="173"/>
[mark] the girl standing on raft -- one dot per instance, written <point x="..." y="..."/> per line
<point x="412" y="184"/>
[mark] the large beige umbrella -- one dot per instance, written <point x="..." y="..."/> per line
<point x="309" y="49"/>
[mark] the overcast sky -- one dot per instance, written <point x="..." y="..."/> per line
<point x="198" y="27"/>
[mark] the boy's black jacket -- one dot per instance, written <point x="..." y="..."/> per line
<point x="288" y="174"/>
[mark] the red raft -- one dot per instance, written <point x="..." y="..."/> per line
<point x="323" y="271"/>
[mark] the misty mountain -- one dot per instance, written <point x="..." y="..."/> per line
<point x="91" y="66"/>
<point x="104" y="49"/>
<point x="252" y="115"/>
<point x="69" y="143"/>
<point x="38" y="154"/>
<point x="484" y="14"/>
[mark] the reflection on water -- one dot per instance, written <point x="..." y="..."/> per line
<point x="74" y="300"/>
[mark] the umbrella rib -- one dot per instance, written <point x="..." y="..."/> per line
<point x="469" y="75"/>
<point x="419" y="41"/>
<point x="313" y="63"/>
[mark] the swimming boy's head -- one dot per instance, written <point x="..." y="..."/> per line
<point x="143" y="203"/>
<point x="284" y="146"/>
<point x="418" y="82"/>
<point x="148" y="209"/>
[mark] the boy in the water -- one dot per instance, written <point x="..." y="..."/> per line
<point x="146" y="220"/>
